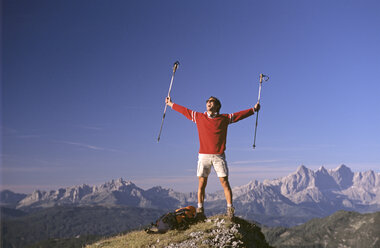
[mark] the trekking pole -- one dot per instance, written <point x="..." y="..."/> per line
<point x="266" y="78"/>
<point x="175" y="66"/>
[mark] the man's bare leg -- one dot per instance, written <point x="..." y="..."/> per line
<point x="201" y="198"/>
<point x="227" y="189"/>
<point x="202" y="189"/>
<point x="228" y="195"/>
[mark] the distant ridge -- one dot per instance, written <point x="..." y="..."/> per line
<point x="10" y="199"/>
<point x="290" y="200"/>
<point x="342" y="229"/>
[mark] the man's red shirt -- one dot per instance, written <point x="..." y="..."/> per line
<point x="212" y="131"/>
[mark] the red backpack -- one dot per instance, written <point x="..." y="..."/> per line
<point x="180" y="219"/>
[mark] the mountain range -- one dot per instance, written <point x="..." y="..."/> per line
<point x="287" y="201"/>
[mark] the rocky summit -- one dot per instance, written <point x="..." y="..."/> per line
<point x="217" y="231"/>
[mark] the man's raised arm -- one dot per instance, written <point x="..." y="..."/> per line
<point x="235" y="117"/>
<point x="189" y="114"/>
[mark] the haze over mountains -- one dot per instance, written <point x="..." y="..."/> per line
<point x="287" y="201"/>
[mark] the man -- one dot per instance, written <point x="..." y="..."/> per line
<point x="212" y="132"/>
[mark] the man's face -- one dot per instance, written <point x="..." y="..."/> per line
<point x="211" y="105"/>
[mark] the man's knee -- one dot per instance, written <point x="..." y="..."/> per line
<point x="202" y="182"/>
<point x="224" y="181"/>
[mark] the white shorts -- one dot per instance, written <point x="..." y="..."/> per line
<point x="206" y="161"/>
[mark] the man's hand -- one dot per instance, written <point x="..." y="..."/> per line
<point x="168" y="101"/>
<point x="257" y="107"/>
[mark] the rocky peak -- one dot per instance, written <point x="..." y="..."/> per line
<point x="157" y="189"/>
<point x="245" y="189"/>
<point x="116" y="185"/>
<point x="36" y="196"/>
<point x="10" y="198"/>
<point x="324" y="181"/>
<point x="322" y="170"/>
<point x="302" y="170"/>
<point x="297" y="181"/>
<point x="343" y="176"/>
<point x="367" y="180"/>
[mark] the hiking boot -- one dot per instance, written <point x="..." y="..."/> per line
<point x="230" y="212"/>
<point x="152" y="229"/>
<point x="200" y="214"/>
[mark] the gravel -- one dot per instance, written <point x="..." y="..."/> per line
<point x="220" y="236"/>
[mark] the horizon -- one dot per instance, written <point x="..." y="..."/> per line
<point x="84" y="84"/>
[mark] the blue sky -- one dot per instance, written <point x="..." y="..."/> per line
<point x="84" y="82"/>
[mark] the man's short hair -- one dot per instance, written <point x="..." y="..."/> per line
<point x="218" y="104"/>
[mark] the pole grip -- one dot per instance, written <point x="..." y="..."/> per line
<point x="175" y="66"/>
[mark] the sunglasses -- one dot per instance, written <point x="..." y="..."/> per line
<point x="210" y="100"/>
